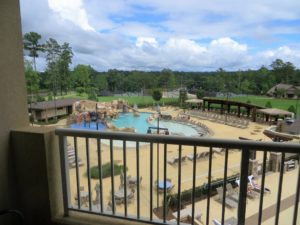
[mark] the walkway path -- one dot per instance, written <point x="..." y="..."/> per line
<point x="271" y="211"/>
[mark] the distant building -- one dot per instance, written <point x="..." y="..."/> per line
<point x="283" y="91"/>
<point x="46" y="110"/>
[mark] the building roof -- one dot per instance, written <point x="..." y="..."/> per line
<point x="275" y="112"/>
<point x="51" y="104"/>
<point x="232" y="102"/>
<point x="285" y="87"/>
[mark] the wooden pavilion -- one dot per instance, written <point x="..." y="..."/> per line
<point x="273" y="113"/>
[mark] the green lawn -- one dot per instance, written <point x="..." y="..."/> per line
<point x="141" y="101"/>
<point x="262" y="100"/>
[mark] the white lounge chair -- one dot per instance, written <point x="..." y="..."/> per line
<point x="256" y="186"/>
<point x="228" y="202"/>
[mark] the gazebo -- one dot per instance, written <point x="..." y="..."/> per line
<point x="274" y="113"/>
<point x="198" y="102"/>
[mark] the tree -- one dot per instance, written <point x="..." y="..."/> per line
<point x="101" y="82"/>
<point x="112" y="79"/>
<point x="53" y="55"/>
<point x="32" y="80"/>
<point x="53" y="50"/>
<point x="200" y="94"/>
<point x="31" y="44"/>
<point x="182" y="96"/>
<point x="92" y="94"/>
<point x="156" y="95"/>
<point x="166" y="79"/>
<point x="65" y="59"/>
<point x="281" y="69"/>
<point x="82" y="77"/>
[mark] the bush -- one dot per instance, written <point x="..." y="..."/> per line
<point x="80" y="90"/>
<point x="50" y="98"/>
<point x="106" y="170"/>
<point x="292" y="109"/>
<point x="156" y="95"/>
<point x="40" y="98"/>
<point x="200" y="191"/>
<point x="92" y="96"/>
<point x="268" y="104"/>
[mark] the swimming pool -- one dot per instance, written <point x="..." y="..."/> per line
<point x="140" y="124"/>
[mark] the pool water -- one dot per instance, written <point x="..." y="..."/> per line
<point x="140" y="124"/>
<point x="88" y="126"/>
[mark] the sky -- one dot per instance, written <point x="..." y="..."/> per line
<point x="182" y="35"/>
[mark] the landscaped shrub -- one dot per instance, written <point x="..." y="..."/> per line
<point x="268" y="104"/>
<point x="40" y="98"/>
<point x="156" y="95"/>
<point x="106" y="170"/>
<point x="200" y="191"/>
<point x="292" y="109"/>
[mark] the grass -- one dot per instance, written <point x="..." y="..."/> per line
<point x="141" y="101"/>
<point x="275" y="102"/>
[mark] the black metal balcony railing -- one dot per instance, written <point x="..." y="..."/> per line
<point x="245" y="148"/>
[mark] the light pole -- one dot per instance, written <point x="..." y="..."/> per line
<point x="226" y="110"/>
<point x="296" y="114"/>
<point x="157" y="155"/>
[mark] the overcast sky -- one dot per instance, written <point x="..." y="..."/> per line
<point x="189" y="35"/>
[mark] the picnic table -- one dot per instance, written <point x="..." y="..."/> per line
<point x="231" y="221"/>
<point x="121" y="194"/>
<point x="185" y="213"/>
<point x="161" y="184"/>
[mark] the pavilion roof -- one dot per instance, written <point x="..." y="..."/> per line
<point x="194" y="101"/>
<point x="275" y="112"/>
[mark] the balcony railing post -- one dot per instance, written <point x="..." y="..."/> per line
<point x="243" y="186"/>
<point x="246" y="147"/>
<point x="64" y="173"/>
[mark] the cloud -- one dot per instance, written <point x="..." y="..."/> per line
<point x="71" y="10"/>
<point x="180" y="35"/>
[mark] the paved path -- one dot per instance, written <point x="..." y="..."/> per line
<point x="270" y="211"/>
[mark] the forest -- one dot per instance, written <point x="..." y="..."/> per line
<point x="59" y="79"/>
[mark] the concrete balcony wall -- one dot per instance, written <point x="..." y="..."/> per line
<point x="37" y="173"/>
<point x="13" y="110"/>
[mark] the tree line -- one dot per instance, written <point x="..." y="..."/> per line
<point x="58" y="78"/>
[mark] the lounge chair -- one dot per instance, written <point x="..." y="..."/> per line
<point x="201" y="155"/>
<point x="256" y="187"/>
<point x="206" y="155"/>
<point x="218" y="150"/>
<point x="250" y="193"/>
<point x="231" y="193"/>
<point x="191" y="156"/>
<point x="216" y="222"/>
<point x="173" y="161"/>
<point x="119" y="201"/>
<point x="228" y="202"/>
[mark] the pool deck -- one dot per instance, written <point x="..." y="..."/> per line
<point x="254" y="131"/>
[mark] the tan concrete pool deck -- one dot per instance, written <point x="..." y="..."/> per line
<point x="254" y="131"/>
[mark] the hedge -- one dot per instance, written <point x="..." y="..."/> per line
<point x="106" y="170"/>
<point x="200" y="191"/>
